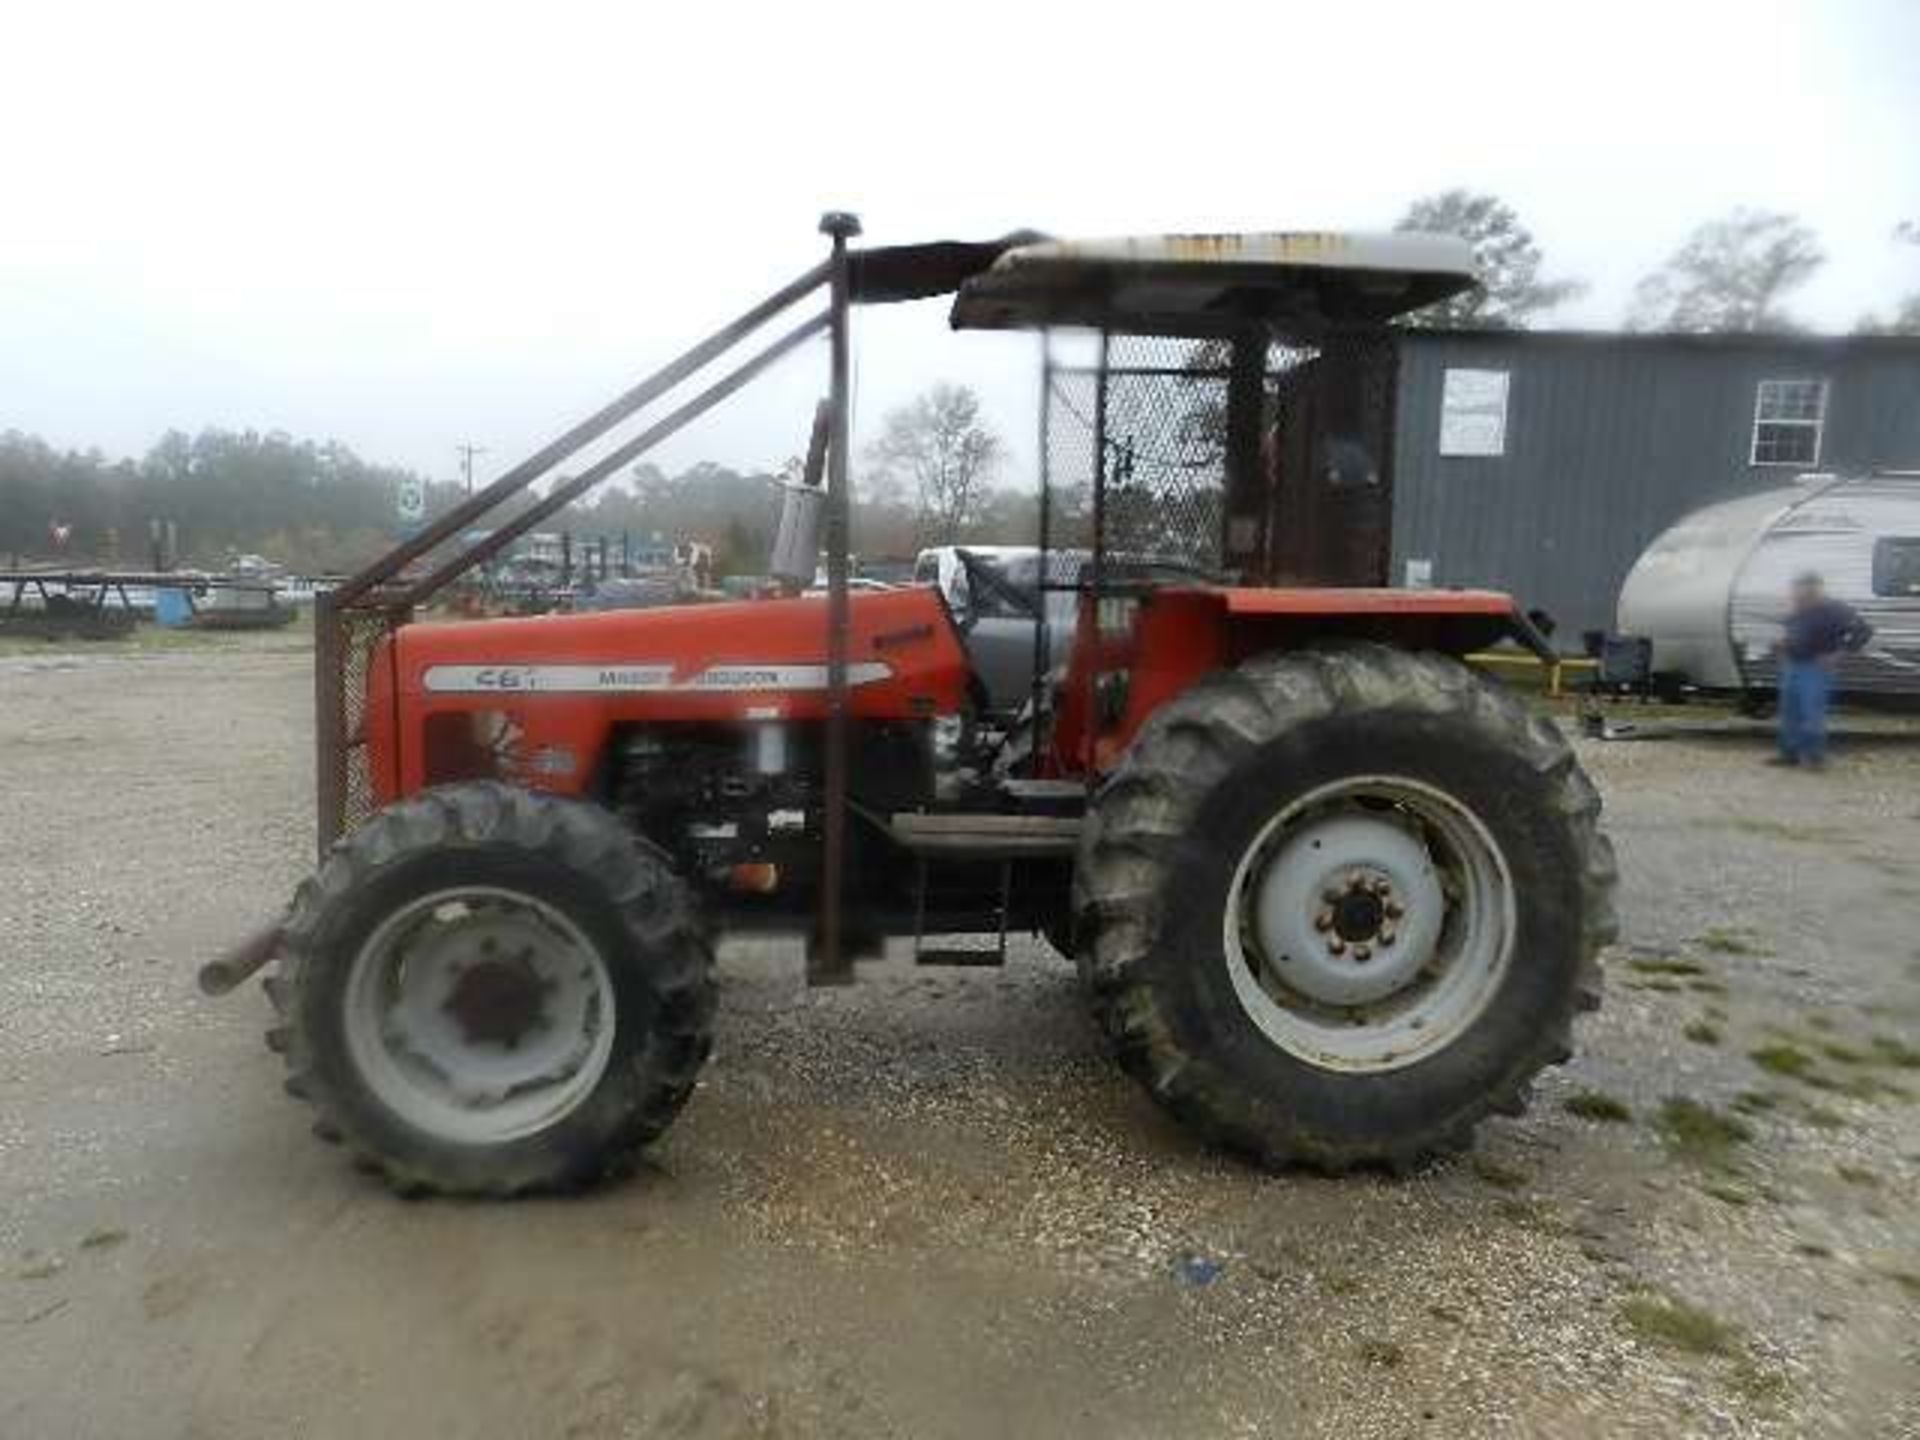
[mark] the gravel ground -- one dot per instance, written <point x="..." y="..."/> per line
<point x="928" y="1206"/>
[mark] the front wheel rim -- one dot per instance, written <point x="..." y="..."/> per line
<point x="1369" y="924"/>
<point x="480" y="1015"/>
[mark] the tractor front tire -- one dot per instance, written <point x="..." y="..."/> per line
<point x="489" y="991"/>
<point x="1337" y="905"/>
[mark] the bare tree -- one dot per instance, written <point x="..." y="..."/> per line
<point x="939" y="445"/>
<point x="1905" y="319"/>
<point x="1511" y="291"/>
<point x="1731" y="275"/>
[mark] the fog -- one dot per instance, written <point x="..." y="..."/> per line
<point x="411" y="227"/>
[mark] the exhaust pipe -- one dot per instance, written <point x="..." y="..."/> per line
<point x="239" y="960"/>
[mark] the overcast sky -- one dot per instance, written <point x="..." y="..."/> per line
<point x="405" y="226"/>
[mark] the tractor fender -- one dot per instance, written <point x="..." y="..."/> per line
<point x="1183" y="633"/>
<point x="1450" y="621"/>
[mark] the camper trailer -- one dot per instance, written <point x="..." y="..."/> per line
<point x="1708" y="595"/>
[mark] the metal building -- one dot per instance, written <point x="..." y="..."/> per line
<point x="1544" y="462"/>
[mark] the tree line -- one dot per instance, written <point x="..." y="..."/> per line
<point x="1733" y="274"/>
<point x="314" y="505"/>
<point x="318" y="508"/>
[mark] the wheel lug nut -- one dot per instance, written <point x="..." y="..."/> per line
<point x="1383" y="886"/>
<point x="1386" y="936"/>
<point x="1324" y="920"/>
<point x="1362" y="954"/>
<point x="1393" y="909"/>
<point x="1330" y="894"/>
<point x="1337" y="945"/>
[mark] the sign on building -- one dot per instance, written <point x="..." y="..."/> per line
<point x="1473" y="413"/>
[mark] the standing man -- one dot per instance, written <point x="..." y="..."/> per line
<point x="1818" y="630"/>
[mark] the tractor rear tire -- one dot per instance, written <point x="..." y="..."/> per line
<point x="489" y="991"/>
<point x="1337" y="905"/>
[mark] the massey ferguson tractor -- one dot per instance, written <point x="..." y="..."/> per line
<point x="1333" y="896"/>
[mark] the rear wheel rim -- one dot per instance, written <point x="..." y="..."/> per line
<point x="480" y="1015"/>
<point x="1369" y="924"/>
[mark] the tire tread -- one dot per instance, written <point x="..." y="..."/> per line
<point x="1137" y="816"/>
<point x="632" y="874"/>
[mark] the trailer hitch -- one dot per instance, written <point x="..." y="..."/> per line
<point x="227" y="970"/>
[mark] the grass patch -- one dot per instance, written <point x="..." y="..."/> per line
<point x="1844" y="1054"/>
<point x="1821" y="1118"/>
<point x="1528" y="1213"/>
<point x="1677" y="1325"/>
<point x="145" y="638"/>
<point x="1727" y="1194"/>
<point x="1597" y="1105"/>
<point x="1891" y="1050"/>
<point x="1731" y="940"/>
<point x="1698" y="1132"/>
<point x="1501" y="1177"/>
<point x="1782" y="1058"/>
<point x="102" y="1239"/>
<point x="1705" y="986"/>
<point x="1382" y="1354"/>
<point x="1660" y="983"/>
<point x="1757" y="1383"/>
<point x="1757" y="1102"/>
<point x="1781" y="830"/>
<point x="1813" y="1250"/>
<point x="1858" y="1175"/>
<point x="1701" y="1033"/>
<point x="1665" y="965"/>
<point x="1868" y="1087"/>
<point x="1906" y="1280"/>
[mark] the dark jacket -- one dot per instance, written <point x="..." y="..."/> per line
<point x="1824" y="628"/>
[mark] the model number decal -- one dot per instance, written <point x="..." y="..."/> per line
<point x="638" y="679"/>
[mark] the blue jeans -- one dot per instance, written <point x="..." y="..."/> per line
<point x="1804" y="688"/>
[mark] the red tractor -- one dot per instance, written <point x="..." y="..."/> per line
<point x="1333" y="895"/>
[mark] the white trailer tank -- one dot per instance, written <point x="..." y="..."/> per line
<point x="1710" y="591"/>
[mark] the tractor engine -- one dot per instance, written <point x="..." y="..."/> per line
<point x="741" y="808"/>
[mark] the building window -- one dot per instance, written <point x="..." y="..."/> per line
<point x="1788" y="416"/>
<point x="1896" y="566"/>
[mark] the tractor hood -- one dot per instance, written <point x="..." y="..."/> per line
<point x="538" y="701"/>
<point x="732" y="660"/>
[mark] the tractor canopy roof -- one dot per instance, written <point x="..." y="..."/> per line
<point x="1299" y="283"/>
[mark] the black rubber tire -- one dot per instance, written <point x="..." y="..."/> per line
<point x="620" y="892"/>
<point x="1168" y="828"/>
<point x="1059" y="934"/>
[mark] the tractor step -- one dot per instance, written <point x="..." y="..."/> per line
<point x="986" y="837"/>
<point x="1049" y="797"/>
<point x="980" y="948"/>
